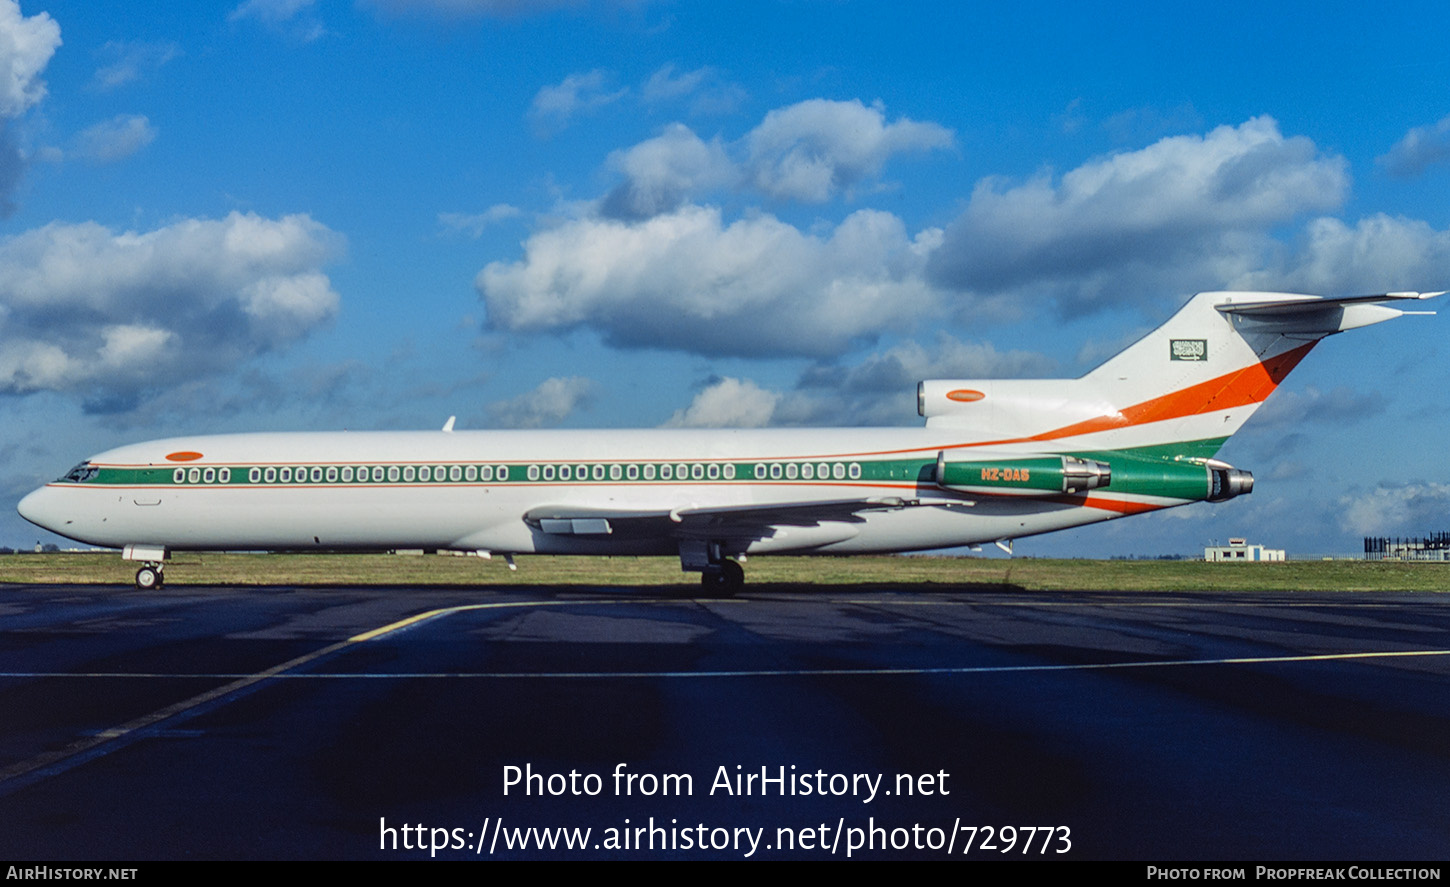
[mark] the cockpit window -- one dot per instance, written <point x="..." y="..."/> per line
<point x="82" y="473"/>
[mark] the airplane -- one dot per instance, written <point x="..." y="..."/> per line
<point x="996" y="460"/>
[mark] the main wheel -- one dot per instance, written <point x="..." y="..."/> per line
<point x="148" y="577"/>
<point x="729" y="578"/>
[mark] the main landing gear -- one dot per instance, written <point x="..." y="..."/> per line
<point x="718" y="574"/>
<point x="726" y="578"/>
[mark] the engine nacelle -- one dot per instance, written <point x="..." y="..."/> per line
<point x="1193" y="481"/>
<point x="1023" y="475"/>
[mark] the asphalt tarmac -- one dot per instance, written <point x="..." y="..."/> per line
<point x="573" y="723"/>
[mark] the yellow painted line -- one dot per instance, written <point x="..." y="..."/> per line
<point x="95" y="742"/>
<point x="449" y="611"/>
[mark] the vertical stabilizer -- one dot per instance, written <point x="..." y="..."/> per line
<point x="1194" y="380"/>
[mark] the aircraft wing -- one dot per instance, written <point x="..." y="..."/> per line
<point x="732" y="521"/>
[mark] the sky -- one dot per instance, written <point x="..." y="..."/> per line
<point x="375" y="214"/>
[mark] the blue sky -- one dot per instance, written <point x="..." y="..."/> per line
<point x="303" y="214"/>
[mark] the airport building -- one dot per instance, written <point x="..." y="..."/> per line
<point x="1434" y="547"/>
<point x="1239" y="551"/>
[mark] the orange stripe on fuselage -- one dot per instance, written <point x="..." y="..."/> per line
<point x="1252" y="384"/>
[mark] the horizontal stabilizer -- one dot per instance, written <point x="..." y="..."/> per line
<point x="1284" y="305"/>
<point x="1313" y="316"/>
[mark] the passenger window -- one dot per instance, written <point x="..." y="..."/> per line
<point x="615" y="472"/>
<point x="649" y="472"/>
<point x="255" y="475"/>
<point x="792" y="471"/>
<point x="179" y="476"/>
<point x="533" y="472"/>
<point x="455" y="473"/>
<point x="332" y="474"/>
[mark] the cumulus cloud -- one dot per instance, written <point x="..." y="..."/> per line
<point x="555" y="107"/>
<point x="1184" y="212"/>
<point x="878" y="390"/>
<point x="809" y="151"/>
<point x="1391" y="509"/>
<point x="881" y="388"/>
<point x="814" y="149"/>
<point x="547" y="404"/>
<point x="1377" y="254"/>
<point x="26" y="45"/>
<point x="112" y="315"/>
<point x="662" y="172"/>
<point x="728" y="403"/>
<point x="1421" y="148"/>
<point x="687" y="281"/>
<point x="903" y="365"/>
<point x="114" y="139"/>
<point x="130" y="61"/>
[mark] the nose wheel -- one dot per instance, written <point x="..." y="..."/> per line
<point x="149" y="576"/>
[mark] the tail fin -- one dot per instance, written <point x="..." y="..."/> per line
<point x="1192" y="382"/>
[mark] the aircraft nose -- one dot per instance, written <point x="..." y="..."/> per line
<point x="39" y="507"/>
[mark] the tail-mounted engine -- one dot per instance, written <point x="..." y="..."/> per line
<point x="1051" y="475"/>
<point x="1023" y="476"/>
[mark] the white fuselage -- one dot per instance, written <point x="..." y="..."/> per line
<point x="367" y="490"/>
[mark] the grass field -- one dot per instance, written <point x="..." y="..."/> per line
<point x="1028" y="574"/>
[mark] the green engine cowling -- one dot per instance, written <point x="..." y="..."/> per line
<point x="1046" y="475"/>
<point x="1023" y="475"/>
<point x="1193" y="481"/>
